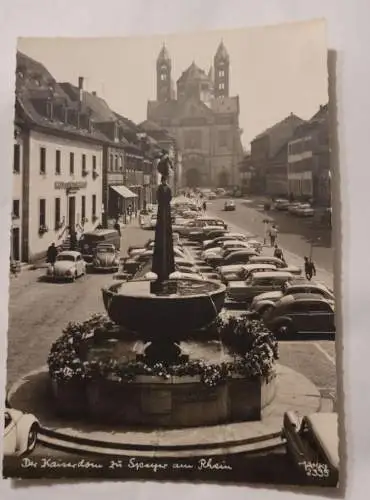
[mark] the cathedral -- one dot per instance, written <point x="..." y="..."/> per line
<point x="203" y="119"/>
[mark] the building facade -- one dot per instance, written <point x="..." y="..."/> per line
<point x="202" y="118"/>
<point x="269" y="157"/>
<point x="17" y="202"/>
<point x="309" y="160"/>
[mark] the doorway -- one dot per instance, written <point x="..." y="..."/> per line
<point x="15" y="243"/>
<point x="72" y="211"/>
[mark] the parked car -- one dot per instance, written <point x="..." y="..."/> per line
<point x="312" y="445"/>
<point x="223" y="247"/>
<point x="153" y="221"/>
<point x="235" y="257"/>
<point x="69" y="265"/>
<point x="293" y="207"/>
<point x="144" y="219"/>
<point x="106" y="258"/>
<point x="281" y="204"/>
<point x="301" y="313"/>
<point x="229" y="206"/>
<point x="242" y="272"/>
<point x="91" y="239"/>
<point x="304" y="210"/>
<point x="20" y="432"/>
<point x="225" y="237"/>
<point x="255" y="284"/>
<point x="265" y="301"/>
<point x="280" y="264"/>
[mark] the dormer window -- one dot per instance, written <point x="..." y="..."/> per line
<point x="37" y="83"/>
<point x="20" y="74"/>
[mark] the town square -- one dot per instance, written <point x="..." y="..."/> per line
<point x="171" y="300"/>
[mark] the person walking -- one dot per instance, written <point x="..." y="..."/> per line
<point x="273" y="235"/>
<point x="309" y="268"/>
<point x="51" y="254"/>
<point x="117" y="227"/>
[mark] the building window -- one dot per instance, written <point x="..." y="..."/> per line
<point x="221" y="86"/>
<point x="83" y="207"/>
<point x="116" y="163"/>
<point x="71" y="163"/>
<point x="223" y="138"/>
<point x="17" y="159"/>
<point x="42" y="212"/>
<point x="57" y="213"/>
<point x="57" y="162"/>
<point x="93" y="205"/>
<point x="16" y="210"/>
<point x="163" y="77"/>
<point x="111" y="163"/>
<point x="94" y="163"/>
<point x="83" y="163"/>
<point x="42" y="161"/>
<point x="221" y="73"/>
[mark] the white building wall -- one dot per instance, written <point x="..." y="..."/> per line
<point x="43" y="186"/>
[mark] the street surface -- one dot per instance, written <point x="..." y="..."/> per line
<point x="39" y="310"/>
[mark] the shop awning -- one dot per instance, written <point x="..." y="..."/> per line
<point x="124" y="192"/>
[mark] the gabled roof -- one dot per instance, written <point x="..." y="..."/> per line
<point x="280" y="133"/>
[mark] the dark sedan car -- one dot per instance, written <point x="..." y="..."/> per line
<point x="305" y="313"/>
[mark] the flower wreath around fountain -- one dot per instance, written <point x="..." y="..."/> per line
<point x="254" y="349"/>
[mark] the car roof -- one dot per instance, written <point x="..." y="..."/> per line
<point x="249" y="267"/>
<point x="303" y="297"/>
<point x="273" y="274"/>
<point x="72" y="253"/>
<point x="261" y="258"/>
<point x="306" y="284"/>
<point x="325" y="427"/>
<point x="246" y="251"/>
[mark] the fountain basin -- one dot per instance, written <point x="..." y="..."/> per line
<point x="174" y="402"/>
<point x="195" y="305"/>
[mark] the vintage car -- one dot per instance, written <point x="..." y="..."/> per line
<point x="280" y="264"/>
<point x="229" y="206"/>
<point x="223" y="247"/>
<point x="265" y="301"/>
<point x="255" y="284"/>
<point x="105" y="258"/>
<point x="281" y="204"/>
<point x="226" y="237"/>
<point x="301" y="313"/>
<point x="144" y="219"/>
<point x="241" y="273"/>
<point x="304" y="210"/>
<point x="312" y="446"/>
<point x="20" y="432"/>
<point x="237" y="256"/>
<point x="69" y="265"/>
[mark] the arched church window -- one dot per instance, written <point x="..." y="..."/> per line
<point x="163" y="76"/>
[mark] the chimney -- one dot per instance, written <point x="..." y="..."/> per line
<point x="93" y="93"/>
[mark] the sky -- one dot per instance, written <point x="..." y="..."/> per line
<point x="275" y="70"/>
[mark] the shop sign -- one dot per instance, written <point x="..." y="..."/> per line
<point x="70" y="185"/>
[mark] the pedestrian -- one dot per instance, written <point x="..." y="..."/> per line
<point x="51" y="254"/>
<point x="273" y="235"/>
<point x="309" y="268"/>
<point x="204" y="206"/>
<point x="278" y="253"/>
<point x="117" y="227"/>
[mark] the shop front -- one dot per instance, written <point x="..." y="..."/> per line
<point x="122" y="202"/>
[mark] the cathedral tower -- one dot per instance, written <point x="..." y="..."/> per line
<point x="163" y="75"/>
<point x="221" y="65"/>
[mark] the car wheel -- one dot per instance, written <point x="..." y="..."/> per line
<point x="32" y="438"/>
<point x="284" y="329"/>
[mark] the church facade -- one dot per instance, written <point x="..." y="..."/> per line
<point x="203" y="119"/>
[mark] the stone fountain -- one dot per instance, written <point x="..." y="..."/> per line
<point x="162" y="361"/>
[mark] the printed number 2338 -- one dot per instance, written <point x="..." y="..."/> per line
<point x="317" y="470"/>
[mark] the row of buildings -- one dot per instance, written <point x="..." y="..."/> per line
<point x="76" y="162"/>
<point x="291" y="159"/>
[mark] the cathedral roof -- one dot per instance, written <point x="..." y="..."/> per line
<point x="222" y="52"/>
<point x="193" y="73"/>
